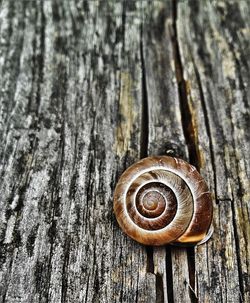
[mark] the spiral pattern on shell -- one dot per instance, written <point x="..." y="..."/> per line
<point x="161" y="200"/>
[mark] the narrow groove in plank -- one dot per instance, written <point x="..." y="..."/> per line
<point x="150" y="259"/>
<point x="144" y="139"/>
<point x="191" y="268"/>
<point x="144" y="117"/>
<point x="166" y="130"/>
<point x="186" y="114"/>
<point x="189" y="133"/>
<point x="159" y="288"/>
<point x="169" y="275"/>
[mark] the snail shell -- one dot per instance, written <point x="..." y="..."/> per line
<point x="161" y="200"/>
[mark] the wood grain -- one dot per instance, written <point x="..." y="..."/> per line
<point x="214" y="53"/>
<point x="88" y="88"/>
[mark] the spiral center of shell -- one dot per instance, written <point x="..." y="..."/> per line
<point x="152" y="199"/>
<point x="157" y="202"/>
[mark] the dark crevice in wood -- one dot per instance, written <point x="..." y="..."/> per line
<point x="191" y="263"/>
<point x="159" y="288"/>
<point x="144" y="135"/>
<point x="150" y="259"/>
<point x="144" y="115"/>
<point x="169" y="274"/>
<point x="186" y="114"/>
<point x="41" y="58"/>
<point x="137" y="289"/>
<point x="238" y="257"/>
<point x="123" y="25"/>
<point x="87" y="290"/>
<point x="191" y="266"/>
<point x="193" y="296"/>
<point x="33" y="67"/>
<point x="187" y="122"/>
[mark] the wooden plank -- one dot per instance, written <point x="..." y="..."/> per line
<point x="165" y="132"/>
<point x="86" y="89"/>
<point x="71" y="77"/>
<point x="214" y="50"/>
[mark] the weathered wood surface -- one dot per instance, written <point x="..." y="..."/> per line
<point x="86" y="89"/>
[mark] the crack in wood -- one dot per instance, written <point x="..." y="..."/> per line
<point x="159" y="288"/>
<point x="144" y="134"/>
<point x="188" y="129"/>
<point x="169" y="275"/>
<point x="144" y="114"/>
<point x="191" y="267"/>
<point x="186" y="114"/>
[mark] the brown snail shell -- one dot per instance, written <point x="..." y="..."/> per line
<point x="161" y="200"/>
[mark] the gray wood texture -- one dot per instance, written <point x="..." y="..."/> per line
<point x="88" y="88"/>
